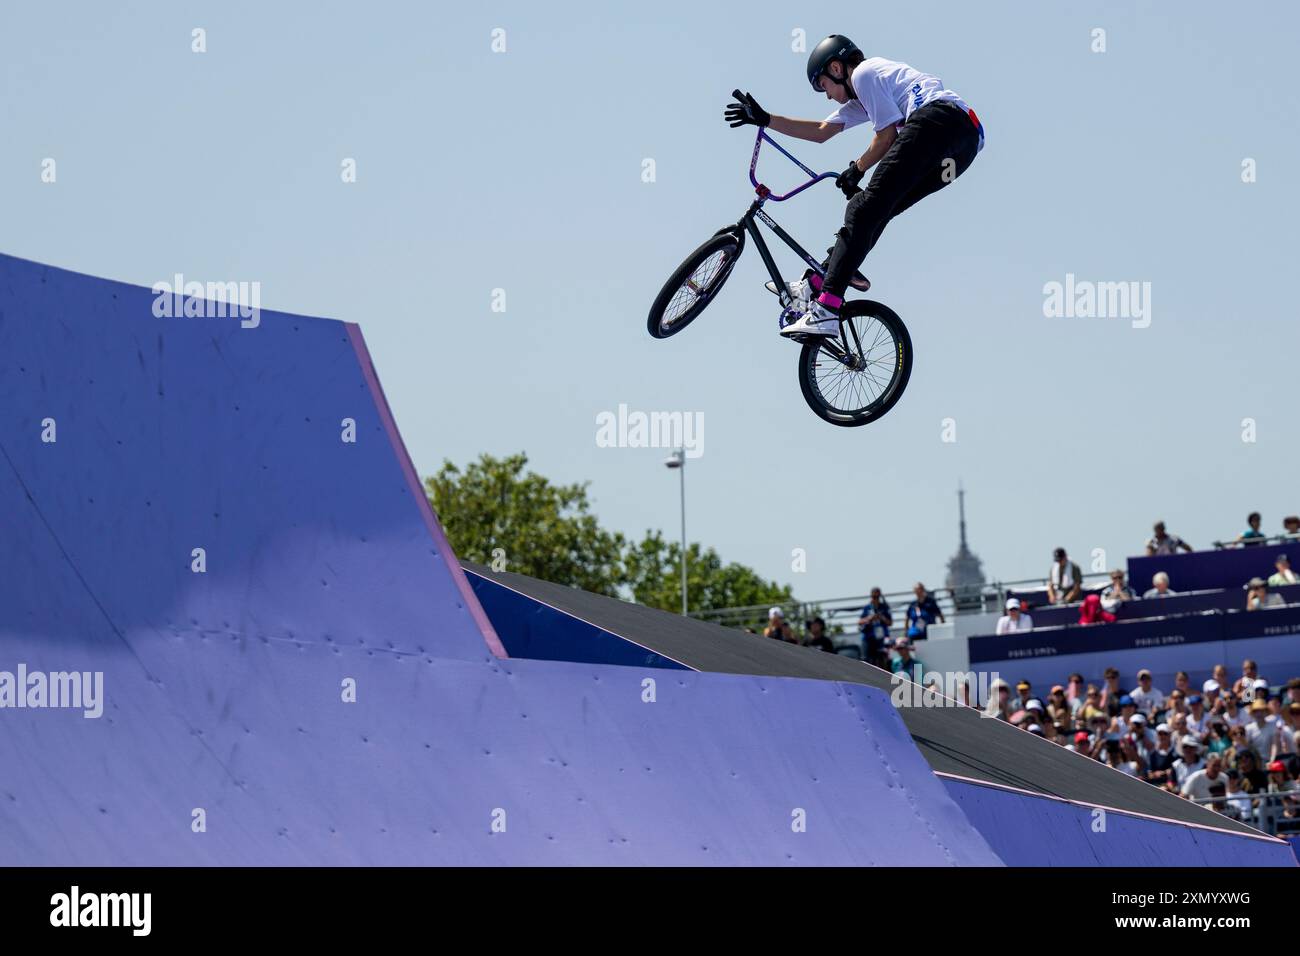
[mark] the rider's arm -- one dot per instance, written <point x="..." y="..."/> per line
<point x="880" y="144"/>
<point x="814" y="131"/>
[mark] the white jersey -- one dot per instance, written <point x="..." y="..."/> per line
<point x="888" y="92"/>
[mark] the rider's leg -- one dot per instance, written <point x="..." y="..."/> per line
<point x="866" y="215"/>
<point x="913" y="168"/>
<point x="940" y="177"/>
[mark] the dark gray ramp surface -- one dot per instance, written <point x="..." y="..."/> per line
<point x="955" y="740"/>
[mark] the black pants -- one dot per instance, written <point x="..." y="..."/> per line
<point x="913" y="168"/>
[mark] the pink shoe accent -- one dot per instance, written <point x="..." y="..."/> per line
<point x="828" y="299"/>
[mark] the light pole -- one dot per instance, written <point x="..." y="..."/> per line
<point x="678" y="461"/>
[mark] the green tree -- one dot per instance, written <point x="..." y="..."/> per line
<point x="654" y="577"/>
<point x="545" y="530"/>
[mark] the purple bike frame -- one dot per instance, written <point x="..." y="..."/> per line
<point x="764" y="193"/>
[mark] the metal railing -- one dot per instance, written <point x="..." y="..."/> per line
<point x="982" y="600"/>
<point x="1264" y="811"/>
<point x="1255" y="542"/>
<point x="841" y="613"/>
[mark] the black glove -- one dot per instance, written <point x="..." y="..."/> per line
<point x="746" y="111"/>
<point x="848" y="180"/>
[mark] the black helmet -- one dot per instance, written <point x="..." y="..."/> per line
<point x="834" y="47"/>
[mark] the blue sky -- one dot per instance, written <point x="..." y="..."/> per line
<point x="522" y="171"/>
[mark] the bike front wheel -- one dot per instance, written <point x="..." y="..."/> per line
<point x="855" y="378"/>
<point x="692" y="287"/>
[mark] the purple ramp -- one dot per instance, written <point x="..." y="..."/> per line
<point x="230" y="636"/>
<point x="253" y="736"/>
<point x="180" y="440"/>
<point x="1029" y="829"/>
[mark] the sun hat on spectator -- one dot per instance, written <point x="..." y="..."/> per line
<point x="1256" y="583"/>
<point x="1258" y="704"/>
<point x="1211" y="686"/>
<point x="1035" y="704"/>
<point x="1126" y="701"/>
<point x="1143" y="673"/>
<point x="1190" y="741"/>
<point x="1138" y="719"/>
<point x="1024" y="684"/>
<point x="1080" y="737"/>
<point x="1035" y="729"/>
<point x="1260" y="684"/>
<point x="1163" y="729"/>
<point x="1277" y="766"/>
<point x="1194" y="699"/>
<point x="1058" y="689"/>
<point x="1013" y="604"/>
<point x="775" y="613"/>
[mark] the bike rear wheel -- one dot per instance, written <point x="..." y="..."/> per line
<point x="692" y="287"/>
<point x="855" y="378"/>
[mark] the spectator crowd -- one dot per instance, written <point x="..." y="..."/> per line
<point x="1064" y="583"/>
<point x="1233" y="744"/>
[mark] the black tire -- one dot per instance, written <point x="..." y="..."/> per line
<point x="686" y="293"/>
<point x="884" y="366"/>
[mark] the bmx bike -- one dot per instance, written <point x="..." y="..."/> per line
<point x="851" y="379"/>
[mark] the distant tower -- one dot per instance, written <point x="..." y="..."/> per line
<point x="965" y="575"/>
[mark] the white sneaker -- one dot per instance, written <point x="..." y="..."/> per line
<point x="801" y="293"/>
<point x="817" y="321"/>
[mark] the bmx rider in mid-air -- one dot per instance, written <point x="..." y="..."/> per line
<point x="925" y="137"/>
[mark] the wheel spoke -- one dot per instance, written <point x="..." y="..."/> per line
<point x="854" y="391"/>
<point x="696" y="288"/>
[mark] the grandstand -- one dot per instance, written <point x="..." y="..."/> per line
<point x="1206" y="620"/>
<point x="1199" y="630"/>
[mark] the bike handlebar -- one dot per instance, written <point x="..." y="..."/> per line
<point x="763" y="191"/>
